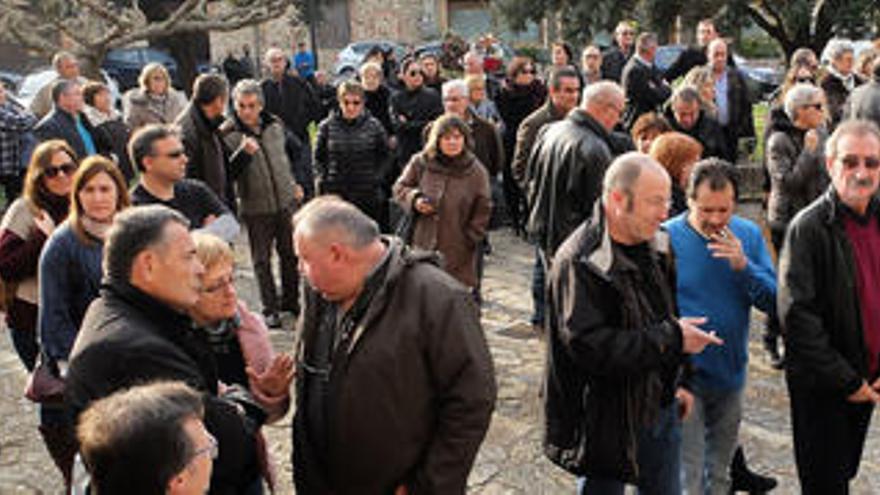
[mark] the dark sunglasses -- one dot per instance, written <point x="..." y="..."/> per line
<point x="65" y="168"/>
<point x="805" y="80"/>
<point x="852" y="162"/>
<point x="173" y="154"/>
<point x="414" y="73"/>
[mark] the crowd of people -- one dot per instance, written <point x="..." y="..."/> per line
<point x="118" y="274"/>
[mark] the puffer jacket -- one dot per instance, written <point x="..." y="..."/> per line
<point x="568" y="161"/>
<point x="613" y="356"/>
<point x="409" y="395"/>
<point x="797" y="175"/>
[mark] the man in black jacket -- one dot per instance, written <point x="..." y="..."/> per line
<point x="694" y="56"/>
<point x="642" y="82"/>
<point x="615" y="57"/>
<point x="614" y="342"/>
<point x="732" y="99"/>
<point x="411" y="110"/>
<point x="828" y="300"/>
<point x="685" y="114"/>
<point x="67" y="122"/>
<point x="137" y="331"/>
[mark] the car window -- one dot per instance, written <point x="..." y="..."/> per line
<point x="124" y="56"/>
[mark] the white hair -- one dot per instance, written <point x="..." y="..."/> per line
<point x="799" y="95"/>
<point x="455" y="86"/>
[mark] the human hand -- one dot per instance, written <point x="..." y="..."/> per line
<point x="726" y="245"/>
<point x="685" y="402"/>
<point x="695" y="340"/>
<point x="250" y="145"/>
<point x="275" y="380"/>
<point x="44" y="223"/>
<point x="811" y="140"/>
<point x="423" y="205"/>
<point x="865" y="393"/>
<point x="401" y="490"/>
<point x="298" y="192"/>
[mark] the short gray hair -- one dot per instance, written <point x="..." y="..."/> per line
<point x="799" y="95"/>
<point x="331" y="213"/>
<point x="271" y="52"/>
<point x="60" y="57"/>
<point x="856" y="127"/>
<point x="625" y="170"/>
<point x="455" y="85"/>
<point x="686" y="94"/>
<point x="135" y="230"/>
<point x="839" y="48"/>
<point x="62" y="86"/>
<point x="602" y="93"/>
<point x="645" y="42"/>
<point x="248" y="87"/>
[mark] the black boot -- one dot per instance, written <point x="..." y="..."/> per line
<point x="745" y="480"/>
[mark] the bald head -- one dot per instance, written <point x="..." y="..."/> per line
<point x="604" y="102"/>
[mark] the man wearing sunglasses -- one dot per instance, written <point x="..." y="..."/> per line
<point x="828" y="306"/>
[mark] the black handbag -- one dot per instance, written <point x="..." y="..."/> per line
<point x="45" y="385"/>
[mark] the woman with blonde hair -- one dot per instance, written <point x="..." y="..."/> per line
<point x="70" y="277"/>
<point x="154" y="101"/>
<point x="703" y="79"/>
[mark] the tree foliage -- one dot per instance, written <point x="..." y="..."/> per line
<point x="791" y="23"/>
<point x="96" y="26"/>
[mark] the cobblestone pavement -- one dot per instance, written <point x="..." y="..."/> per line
<point x="510" y="461"/>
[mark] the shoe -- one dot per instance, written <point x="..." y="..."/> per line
<point x="273" y="320"/>
<point x="744" y="479"/>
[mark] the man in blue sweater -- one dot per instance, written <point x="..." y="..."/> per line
<point x="724" y="268"/>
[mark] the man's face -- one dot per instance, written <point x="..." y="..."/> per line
<point x="429" y="66"/>
<point x="855" y="170"/>
<point x="68" y="68"/>
<point x="216" y="108"/>
<point x="351" y="105"/>
<point x="413" y="77"/>
<point x="625" y="36"/>
<point x="456" y="103"/>
<point x="646" y="207"/>
<point x="167" y="162"/>
<point x="276" y="63"/>
<point x="566" y="96"/>
<point x="559" y="56"/>
<point x="174" y="271"/>
<point x="843" y="63"/>
<point x="323" y="264"/>
<point x="718" y="55"/>
<point x="686" y="114"/>
<point x="710" y="211"/>
<point x="592" y="60"/>
<point x="608" y="114"/>
<point x="195" y="479"/>
<point x="71" y="101"/>
<point x="706" y="33"/>
<point x="473" y="64"/>
<point x="248" y="108"/>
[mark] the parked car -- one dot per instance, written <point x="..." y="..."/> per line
<point x="350" y="58"/>
<point x="667" y="55"/>
<point x="10" y="80"/>
<point x="32" y="83"/>
<point x="125" y="64"/>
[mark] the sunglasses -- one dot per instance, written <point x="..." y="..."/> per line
<point x="173" y="154"/>
<point x="852" y="162"/>
<point x="65" y="168"/>
<point x="805" y="80"/>
<point x="528" y="71"/>
<point x="414" y="73"/>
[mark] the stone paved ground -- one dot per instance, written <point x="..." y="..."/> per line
<point x="510" y="461"/>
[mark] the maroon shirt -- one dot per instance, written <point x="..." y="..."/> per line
<point x="864" y="236"/>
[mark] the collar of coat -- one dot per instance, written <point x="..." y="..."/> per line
<point x="580" y="117"/>
<point x="836" y="208"/>
<point x="601" y="258"/>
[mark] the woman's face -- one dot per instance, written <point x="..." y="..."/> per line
<point x="525" y="76"/>
<point x="157" y="84"/>
<point x="707" y="92"/>
<point x="58" y="176"/>
<point x="217" y="300"/>
<point x="371" y="79"/>
<point x="102" y="101"/>
<point x="99" y="198"/>
<point x="645" y="139"/>
<point x="560" y="58"/>
<point x="452" y="143"/>
<point x="477" y="94"/>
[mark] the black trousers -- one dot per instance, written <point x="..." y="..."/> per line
<point x="264" y="231"/>
<point x="774" y="328"/>
<point x="829" y="434"/>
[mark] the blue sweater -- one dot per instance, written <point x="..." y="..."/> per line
<point x="69" y="277"/>
<point x="709" y="287"/>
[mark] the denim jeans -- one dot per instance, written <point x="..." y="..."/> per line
<point x="709" y="441"/>
<point x="538" y="289"/>
<point x="658" y="457"/>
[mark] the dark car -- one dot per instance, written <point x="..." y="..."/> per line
<point x="125" y="64"/>
<point x="11" y="80"/>
<point x="350" y="58"/>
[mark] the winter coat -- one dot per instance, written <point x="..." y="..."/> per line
<point x="15" y="123"/>
<point x="140" y="108"/>
<point x="707" y="131"/>
<point x="377" y="102"/>
<point x="525" y="141"/>
<point x="293" y="100"/>
<point x="613" y="355"/>
<point x="264" y="184"/>
<point x="613" y="61"/>
<point x="410" y="394"/>
<point x="797" y="175"/>
<point x="206" y="153"/>
<point x="487" y="144"/>
<point x="739" y="105"/>
<point x="645" y="90"/>
<point x="59" y="124"/>
<point x="569" y="160"/>
<point x="836" y="95"/>
<point x="515" y="103"/>
<point x="111" y="129"/>
<point x="458" y="188"/>
<point x="410" y="113"/>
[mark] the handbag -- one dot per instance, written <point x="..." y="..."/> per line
<point x="406" y="226"/>
<point x="45" y="384"/>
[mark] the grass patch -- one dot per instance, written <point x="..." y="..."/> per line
<point x="759" y="115"/>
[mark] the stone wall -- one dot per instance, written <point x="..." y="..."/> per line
<point x="384" y="19"/>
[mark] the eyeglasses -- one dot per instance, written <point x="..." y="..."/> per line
<point x="219" y="285"/>
<point x="67" y="169"/>
<point x="172" y="154"/>
<point x="852" y="162"/>
<point x="414" y="73"/>
<point x="212" y="449"/>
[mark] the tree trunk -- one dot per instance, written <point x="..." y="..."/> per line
<point x="188" y="50"/>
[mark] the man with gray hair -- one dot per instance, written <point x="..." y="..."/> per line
<point x="686" y="115"/>
<point x="66" y="69"/>
<point x="839" y="80"/>
<point x="567" y="162"/>
<point x="67" y="121"/>
<point x="267" y="192"/>
<point x="138" y="331"/>
<point x="732" y="99"/>
<point x="828" y="300"/>
<point x="615" y="344"/>
<point x="864" y="102"/>
<point x="642" y="81"/>
<point x="395" y="387"/>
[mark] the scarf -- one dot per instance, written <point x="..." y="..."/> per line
<point x="94" y="228"/>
